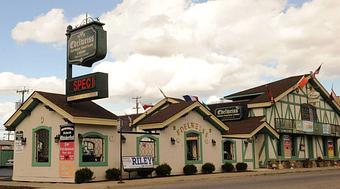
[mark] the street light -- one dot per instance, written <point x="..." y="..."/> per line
<point x="121" y="151"/>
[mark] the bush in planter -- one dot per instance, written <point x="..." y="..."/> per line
<point x="112" y="174"/>
<point x="83" y="175"/>
<point x="307" y="163"/>
<point x="145" y="172"/>
<point x="241" y="166"/>
<point x="163" y="170"/>
<point x="208" y="168"/>
<point x="228" y="167"/>
<point x="319" y="162"/>
<point x="190" y="169"/>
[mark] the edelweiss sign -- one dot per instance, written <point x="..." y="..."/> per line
<point x="86" y="44"/>
<point x="229" y="113"/>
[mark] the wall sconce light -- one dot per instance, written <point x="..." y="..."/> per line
<point x="80" y="137"/>
<point x="213" y="141"/>
<point x="123" y="139"/>
<point x="57" y="138"/>
<point x="173" y="140"/>
<point x="23" y="141"/>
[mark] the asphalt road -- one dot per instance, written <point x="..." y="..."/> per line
<point x="308" y="180"/>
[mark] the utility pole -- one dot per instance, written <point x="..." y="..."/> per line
<point x="23" y="94"/>
<point x="137" y="98"/>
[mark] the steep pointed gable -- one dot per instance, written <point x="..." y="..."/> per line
<point x="82" y="113"/>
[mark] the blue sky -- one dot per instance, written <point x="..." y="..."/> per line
<point x="153" y="44"/>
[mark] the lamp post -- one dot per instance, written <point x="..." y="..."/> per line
<point x="121" y="152"/>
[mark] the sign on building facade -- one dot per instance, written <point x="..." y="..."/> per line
<point x="229" y="113"/>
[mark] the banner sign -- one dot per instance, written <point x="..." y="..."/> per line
<point x="66" y="149"/>
<point x="307" y="126"/>
<point x="137" y="162"/>
<point x="287" y="145"/>
<point x="86" y="44"/>
<point x="67" y="132"/>
<point x="330" y="147"/>
<point x="87" y="87"/>
<point x="229" y="113"/>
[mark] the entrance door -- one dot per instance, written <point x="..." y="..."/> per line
<point x="310" y="147"/>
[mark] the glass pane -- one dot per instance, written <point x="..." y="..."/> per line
<point x="42" y="145"/>
<point x="228" y="150"/>
<point x="192" y="146"/>
<point x="93" y="149"/>
<point x="147" y="147"/>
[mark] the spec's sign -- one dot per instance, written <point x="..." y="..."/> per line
<point x="67" y="132"/>
<point x="86" y="44"/>
<point x="137" y="162"/>
<point x="229" y="113"/>
<point x="87" y="87"/>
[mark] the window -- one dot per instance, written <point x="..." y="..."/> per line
<point x="193" y="147"/>
<point x="93" y="150"/>
<point x="41" y="144"/>
<point x="308" y="113"/>
<point x="148" y="146"/>
<point x="229" y="150"/>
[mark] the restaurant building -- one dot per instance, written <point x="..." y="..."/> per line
<point x="279" y="121"/>
<point x="300" y="109"/>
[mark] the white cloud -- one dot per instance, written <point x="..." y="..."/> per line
<point x="11" y="81"/>
<point x="184" y="47"/>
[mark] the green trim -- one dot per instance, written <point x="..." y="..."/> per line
<point x="93" y="164"/>
<point x="253" y="145"/>
<point x="275" y="151"/>
<point x="187" y="162"/>
<point x="266" y="148"/>
<point x="41" y="164"/>
<point x="156" y="143"/>
<point x="321" y="149"/>
<point x="234" y="160"/>
<point x="310" y="147"/>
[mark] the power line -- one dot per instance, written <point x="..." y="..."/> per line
<point x="23" y="94"/>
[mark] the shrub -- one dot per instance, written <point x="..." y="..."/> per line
<point x="208" y="168"/>
<point x="307" y="163"/>
<point x="145" y="172"/>
<point x="163" y="170"/>
<point x="241" y="166"/>
<point x="83" y="175"/>
<point x="112" y="174"/>
<point x="228" y="167"/>
<point x="190" y="169"/>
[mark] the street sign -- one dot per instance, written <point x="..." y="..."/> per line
<point x="86" y="44"/>
<point x="87" y="87"/>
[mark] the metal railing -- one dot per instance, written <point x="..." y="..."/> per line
<point x="299" y="126"/>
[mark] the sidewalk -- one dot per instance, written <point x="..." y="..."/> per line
<point x="162" y="180"/>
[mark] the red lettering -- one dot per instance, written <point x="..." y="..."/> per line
<point x="88" y="83"/>
<point x="83" y="83"/>
<point x="93" y="82"/>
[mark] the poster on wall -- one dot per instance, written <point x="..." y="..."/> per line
<point x="307" y="126"/>
<point x="66" y="169"/>
<point x="330" y="146"/>
<point x="137" y="162"/>
<point x="287" y="145"/>
<point x="66" y="150"/>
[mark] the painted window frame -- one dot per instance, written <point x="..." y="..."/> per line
<point x="93" y="164"/>
<point x="156" y="143"/>
<point x="34" y="148"/>
<point x="234" y="160"/>
<point x="200" y="161"/>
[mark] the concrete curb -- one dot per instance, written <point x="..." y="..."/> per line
<point x="165" y="180"/>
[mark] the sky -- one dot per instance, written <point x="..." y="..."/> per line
<point x="208" y="48"/>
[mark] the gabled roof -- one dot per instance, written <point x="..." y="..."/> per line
<point x="260" y="94"/>
<point x="171" y="112"/>
<point x="249" y="127"/>
<point x="86" y="112"/>
<point x="159" y="105"/>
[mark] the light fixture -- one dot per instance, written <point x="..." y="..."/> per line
<point x="80" y="137"/>
<point x="23" y="141"/>
<point x="123" y="139"/>
<point x="57" y="138"/>
<point x="173" y="141"/>
<point x="213" y="141"/>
